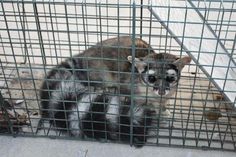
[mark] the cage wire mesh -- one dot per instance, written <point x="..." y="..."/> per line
<point x="36" y="36"/>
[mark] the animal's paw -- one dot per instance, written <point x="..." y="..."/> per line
<point x="166" y="113"/>
<point x="139" y="142"/>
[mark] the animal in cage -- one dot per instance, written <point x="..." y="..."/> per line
<point x="91" y="93"/>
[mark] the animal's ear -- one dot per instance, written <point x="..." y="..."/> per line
<point x="138" y="63"/>
<point x="181" y="62"/>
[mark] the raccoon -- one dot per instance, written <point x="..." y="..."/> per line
<point x="90" y="93"/>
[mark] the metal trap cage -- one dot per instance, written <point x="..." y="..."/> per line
<point x="35" y="36"/>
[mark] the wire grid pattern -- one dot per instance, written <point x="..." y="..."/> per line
<point x="37" y="35"/>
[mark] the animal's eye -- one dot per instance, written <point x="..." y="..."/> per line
<point x="170" y="79"/>
<point x="152" y="79"/>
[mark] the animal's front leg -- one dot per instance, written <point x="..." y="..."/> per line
<point x="161" y="109"/>
<point x="165" y="112"/>
<point x="163" y="115"/>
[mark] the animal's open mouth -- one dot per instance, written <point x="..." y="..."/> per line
<point x="161" y="92"/>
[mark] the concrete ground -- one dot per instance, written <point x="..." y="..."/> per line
<point x="43" y="147"/>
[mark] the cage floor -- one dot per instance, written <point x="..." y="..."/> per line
<point x="200" y="117"/>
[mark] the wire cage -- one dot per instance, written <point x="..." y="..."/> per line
<point x="36" y="36"/>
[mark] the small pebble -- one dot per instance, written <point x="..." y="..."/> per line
<point x="213" y="114"/>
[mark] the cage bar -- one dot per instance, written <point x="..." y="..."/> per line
<point x="36" y="36"/>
